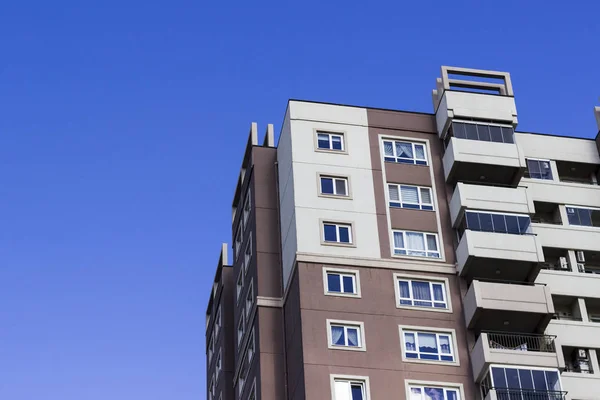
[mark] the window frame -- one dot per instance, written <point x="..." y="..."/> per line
<point x="337" y="224"/>
<point x="422" y="278"/>
<point x="249" y="305"/>
<point x="459" y="387"/>
<point x="218" y="320"/>
<point x="505" y="214"/>
<point x="429" y="330"/>
<point x="387" y="158"/>
<point x="238" y="241"/>
<point x="239" y="285"/>
<point x="539" y="160"/>
<point x="334" y="195"/>
<point x="212" y="388"/>
<point x="252" y="394"/>
<point x="567" y="206"/>
<point x="219" y="364"/>
<point x="420" y="204"/>
<point x="340" y="271"/>
<point x="242" y="377"/>
<point x="330" y="133"/>
<point x="350" y="379"/>
<point x="211" y="346"/>
<point x="247" y="208"/>
<point x="359" y="325"/>
<point x="251" y="345"/>
<point x="241" y="329"/>
<point x="466" y="122"/>
<point x="248" y="253"/>
<point x="406" y="249"/>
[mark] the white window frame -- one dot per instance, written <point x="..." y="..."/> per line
<point x="395" y="153"/>
<point x="247" y="208"/>
<point x="330" y="134"/>
<point x="219" y="363"/>
<point x="419" y="205"/>
<point x="249" y="303"/>
<point x="410" y="383"/>
<point x="239" y="285"/>
<point x="422" y="278"/>
<point x="337" y="225"/>
<point x="241" y="328"/>
<point x="350" y="379"/>
<point x="567" y="206"/>
<point x="527" y="159"/>
<point x="358" y="325"/>
<point x="334" y="178"/>
<point x="505" y="214"/>
<point x="355" y="274"/>
<point x="436" y="331"/>
<point x="248" y="254"/>
<point x="427" y="250"/>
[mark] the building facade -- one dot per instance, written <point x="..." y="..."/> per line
<point x="383" y="254"/>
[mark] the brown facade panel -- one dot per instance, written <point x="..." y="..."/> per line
<point x="419" y="175"/>
<point x="384" y="236"/>
<point x="406" y="121"/>
<point x="416" y="220"/>
<point x="293" y="340"/>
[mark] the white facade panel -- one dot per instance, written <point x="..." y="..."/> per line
<point x="581" y="386"/>
<point x="568" y="236"/>
<point x="558" y="148"/>
<point x="568" y="283"/>
<point x="562" y="192"/>
<point x="575" y="333"/>
<point x="300" y="110"/>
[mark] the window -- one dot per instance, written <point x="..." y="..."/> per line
<point x="252" y="395"/>
<point x="538" y="169"/>
<point x="483" y="132"/>
<point x="421" y="293"/>
<point x="404" y="152"/>
<point x="241" y="328"/>
<point x="334" y="186"/>
<point x="429" y="392"/>
<point x="211" y="346"/>
<point x="242" y="379"/>
<point x="239" y="284"/>
<point x="417" y="244"/>
<point x="251" y="346"/>
<point x="238" y="240"/>
<point x="341" y="282"/>
<point x="405" y="196"/>
<point x="247" y="206"/>
<point x="347" y="335"/>
<point x="350" y="388"/>
<point x="495" y="222"/>
<point x="250" y="298"/>
<point x="428" y="346"/>
<point x="516" y="382"/>
<point x="248" y="254"/>
<point x="218" y="364"/>
<point x="337" y="233"/>
<point x="211" y="389"/>
<point x="218" y="321"/>
<point x="330" y="141"/>
<point x="583" y="216"/>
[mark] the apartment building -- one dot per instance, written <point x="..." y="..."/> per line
<point x="383" y="254"/>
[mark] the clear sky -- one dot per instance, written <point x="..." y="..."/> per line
<point x="122" y="127"/>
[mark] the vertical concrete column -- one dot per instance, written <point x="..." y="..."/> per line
<point x="572" y="259"/>
<point x="594" y="361"/>
<point x="582" y="308"/>
<point x="554" y="170"/>
<point x="562" y="209"/>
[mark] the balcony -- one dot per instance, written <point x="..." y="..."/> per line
<point x="492" y="198"/>
<point x="495" y="255"/>
<point x="523" y="394"/>
<point x="514" y="349"/>
<point x="575" y="333"/>
<point x="501" y="306"/>
<point x="568" y="283"/>
<point x="486" y="162"/>
<point x="568" y="236"/>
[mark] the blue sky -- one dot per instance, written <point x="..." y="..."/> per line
<point x="122" y="127"/>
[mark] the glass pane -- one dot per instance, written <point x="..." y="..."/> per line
<point x="426" y="196"/>
<point x="421" y="290"/>
<point x="330" y="233"/>
<point x="445" y="344"/>
<point x="451" y="394"/>
<point x="348" y="282"/>
<point x="595" y="216"/>
<point x="353" y="337"/>
<point x="404" y="149"/>
<point x="512" y="378"/>
<point x="552" y="381"/>
<point x="336" y="142"/>
<point x="342" y="390"/>
<point x="388" y="149"/>
<point x="337" y="335"/>
<point x="431" y="243"/>
<point x="340" y="187"/>
<point x="394" y="194"/>
<point x="458" y="130"/>
<point x="327" y="185"/>
<point x="427" y="343"/>
<point x="471" y="131"/>
<point x="539" y="380"/>
<point x="438" y="291"/>
<point x="486" y="222"/>
<point x="524" y="225"/>
<point x="434" y="393"/>
<point x="496" y="134"/>
<point x="526" y="380"/>
<point x="415" y="241"/>
<point x="357" y="392"/>
<point x="533" y="166"/>
<point x="585" y="217"/>
<point x="398" y="240"/>
<point x="323" y="140"/>
<point x="409" y="194"/>
<point x="415" y="394"/>
<point x="499" y="378"/>
<point x="512" y="224"/>
<point x="545" y="170"/>
<point x="344" y="234"/>
<point x="419" y="151"/>
<point x="573" y="216"/>
<point x="484" y="133"/>
<point x="404" y="290"/>
<point x="473" y="221"/>
<point x="409" y="342"/>
<point x="333" y="283"/>
<point x="507" y="135"/>
<point x="499" y="223"/>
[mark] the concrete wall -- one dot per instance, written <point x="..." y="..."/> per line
<point x="576" y="333"/>
<point x="568" y="237"/>
<point x="581" y="386"/>
<point x="568" y="283"/>
<point x="562" y="192"/>
<point x="558" y="148"/>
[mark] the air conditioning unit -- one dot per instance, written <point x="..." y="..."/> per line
<point x="581" y="267"/>
<point x="581" y="354"/>
<point x="580" y="256"/>
<point x="562" y="262"/>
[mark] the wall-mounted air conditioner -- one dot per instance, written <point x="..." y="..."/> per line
<point x="562" y="262"/>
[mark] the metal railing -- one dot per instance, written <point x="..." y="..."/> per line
<point x="521" y="342"/>
<point x="527" y="394"/>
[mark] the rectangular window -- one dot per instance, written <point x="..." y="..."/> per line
<point x="211" y="346"/>
<point x="514" y="381"/>
<point x="349" y="389"/>
<point x="247" y="206"/>
<point x="250" y="298"/>
<point x="334" y="186"/>
<point x="251" y="346"/>
<point x="428" y="392"/>
<point x="242" y="379"/>
<point x="211" y="389"/>
<point x="404" y="152"/>
<point x="241" y="328"/>
<point x="330" y="141"/>
<point x="538" y="169"/>
<point x="248" y="254"/>
<point x="515" y="224"/>
<point x="239" y="284"/>
<point x="418" y="244"/>
<point x="218" y="321"/>
<point x="334" y="232"/>
<point x="583" y="216"/>
<point x="218" y="364"/>
<point x="483" y="132"/>
<point x="238" y="240"/>
<point x="345" y="335"/>
<point x="428" y="346"/>
<point x="406" y="196"/>
<point x="341" y="282"/>
<point x="421" y="293"/>
<point x="252" y="395"/>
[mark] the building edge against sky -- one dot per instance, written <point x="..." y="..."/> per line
<point x="389" y="254"/>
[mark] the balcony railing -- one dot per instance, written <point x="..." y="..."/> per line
<point x="526" y="394"/>
<point x="521" y="342"/>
